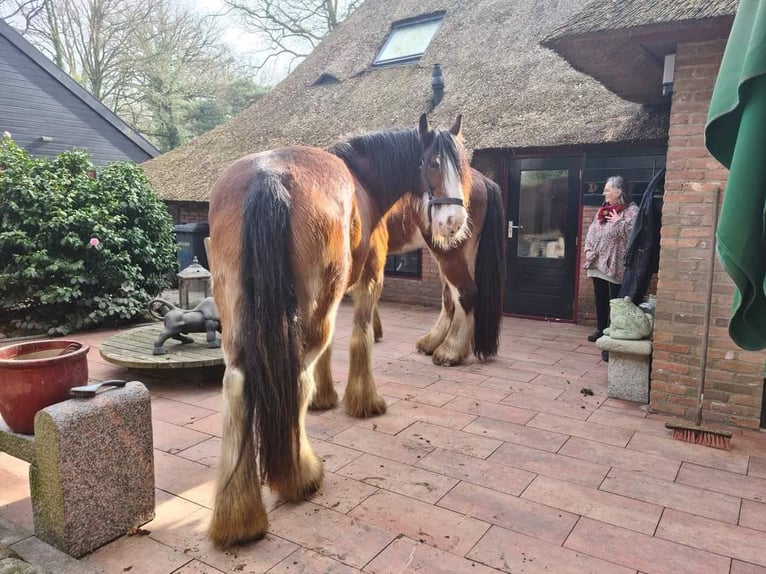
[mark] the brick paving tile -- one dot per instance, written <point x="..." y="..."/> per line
<point x="406" y="555"/>
<point x="490" y="410"/>
<point x="478" y="471"/>
<point x="731" y="483"/>
<point x="753" y="515"/>
<point x="304" y="561"/>
<point x="173" y="438"/>
<point x="588" y="430"/>
<point x="397" y="477"/>
<point x="593" y="503"/>
<point x="326" y="427"/>
<point x="593" y="451"/>
<point x="550" y="464"/>
<point x="736" y="541"/>
<point x="571" y="372"/>
<point x="206" y="452"/>
<point x="538" y="358"/>
<point x="427" y="396"/>
<point x="558" y="383"/>
<point x="517" y="387"/>
<point x="673" y="495"/>
<point x="612" y="417"/>
<point x="334" y="456"/>
<point x="641" y="552"/>
<point x="403" y="449"/>
<point x="460" y="389"/>
<point x="757" y="466"/>
<point x="341" y="493"/>
<point x="137" y="554"/>
<point x="439" y="527"/>
<point x="437" y="415"/>
<point x="212" y="424"/>
<point x="177" y="412"/>
<point x="389" y="423"/>
<point x="517" y="514"/>
<point x="555" y="407"/>
<point x="504" y="374"/>
<point x="197" y="567"/>
<point x="184" y="478"/>
<point x="738" y="567"/>
<point x="513" y="552"/>
<point x="339" y="536"/>
<point x="627" y="407"/>
<point x="434" y="435"/>
<point x="676" y="449"/>
<point x="190" y="535"/>
<point x="517" y="434"/>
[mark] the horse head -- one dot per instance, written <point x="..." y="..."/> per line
<point x="446" y="177"/>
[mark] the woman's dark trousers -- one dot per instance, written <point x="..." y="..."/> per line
<point x="604" y="290"/>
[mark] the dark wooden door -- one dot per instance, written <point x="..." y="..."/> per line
<point x="542" y="213"/>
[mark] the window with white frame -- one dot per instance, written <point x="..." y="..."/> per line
<point x="408" y="40"/>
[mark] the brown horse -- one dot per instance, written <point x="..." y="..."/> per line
<point x="290" y="231"/>
<point x="472" y="273"/>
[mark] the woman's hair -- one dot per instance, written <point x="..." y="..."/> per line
<point x="618" y="182"/>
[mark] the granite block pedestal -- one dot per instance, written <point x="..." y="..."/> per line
<point x="92" y="478"/>
<point x="629" y="367"/>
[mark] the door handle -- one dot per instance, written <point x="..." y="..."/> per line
<point x="511" y="227"/>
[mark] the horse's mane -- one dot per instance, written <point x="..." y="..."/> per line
<point x="386" y="159"/>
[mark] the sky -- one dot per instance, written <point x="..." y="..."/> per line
<point x="241" y="42"/>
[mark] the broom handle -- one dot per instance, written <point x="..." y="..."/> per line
<point x="708" y="303"/>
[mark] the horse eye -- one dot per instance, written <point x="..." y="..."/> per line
<point x="435" y="163"/>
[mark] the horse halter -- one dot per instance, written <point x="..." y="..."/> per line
<point x="438" y="200"/>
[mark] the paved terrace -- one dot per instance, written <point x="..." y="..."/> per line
<point x="498" y="467"/>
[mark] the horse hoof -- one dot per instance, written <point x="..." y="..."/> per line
<point x="424" y="349"/>
<point x="446" y="360"/>
<point x="324" y="403"/>
<point x="365" y="409"/>
<point x="159" y="351"/>
<point x="214" y="345"/>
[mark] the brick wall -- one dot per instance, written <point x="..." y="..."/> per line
<point x="187" y="211"/>
<point x="424" y="291"/>
<point x="734" y="378"/>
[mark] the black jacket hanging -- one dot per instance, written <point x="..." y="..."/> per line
<point x="642" y="258"/>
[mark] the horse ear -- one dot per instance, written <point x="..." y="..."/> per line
<point x="423" y="127"/>
<point x="457" y="126"/>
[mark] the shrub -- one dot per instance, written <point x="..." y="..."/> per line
<point x="78" y="248"/>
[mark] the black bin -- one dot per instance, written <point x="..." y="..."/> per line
<point x="190" y="238"/>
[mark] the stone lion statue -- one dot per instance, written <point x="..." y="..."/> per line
<point x="203" y="318"/>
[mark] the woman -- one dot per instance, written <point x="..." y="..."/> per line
<point x="605" y="246"/>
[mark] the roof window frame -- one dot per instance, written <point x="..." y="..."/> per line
<point x="437" y="17"/>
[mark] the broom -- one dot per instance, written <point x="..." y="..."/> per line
<point x="697" y="434"/>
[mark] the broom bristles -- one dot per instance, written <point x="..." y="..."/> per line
<point x="701" y="435"/>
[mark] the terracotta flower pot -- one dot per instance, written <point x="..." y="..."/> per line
<point x="37" y="374"/>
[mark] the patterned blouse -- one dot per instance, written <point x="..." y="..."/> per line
<point x="605" y="245"/>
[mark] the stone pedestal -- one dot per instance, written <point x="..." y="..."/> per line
<point x="93" y="473"/>
<point x="628" y="370"/>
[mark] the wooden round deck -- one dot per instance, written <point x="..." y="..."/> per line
<point x="133" y="349"/>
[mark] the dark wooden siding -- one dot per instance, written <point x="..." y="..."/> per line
<point x="35" y="104"/>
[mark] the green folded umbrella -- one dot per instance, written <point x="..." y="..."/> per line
<point x="735" y="135"/>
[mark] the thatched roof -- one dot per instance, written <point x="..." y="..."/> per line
<point x="512" y="92"/>
<point x="622" y="43"/>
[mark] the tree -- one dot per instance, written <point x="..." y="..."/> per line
<point x="154" y="63"/>
<point x="291" y="28"/>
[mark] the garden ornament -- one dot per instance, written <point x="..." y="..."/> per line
<point x="203" y="318"/>
<point x="628" y="322"/>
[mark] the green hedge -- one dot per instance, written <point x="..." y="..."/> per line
<point x="79" y="247"/>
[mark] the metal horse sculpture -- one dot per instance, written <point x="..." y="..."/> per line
<point x="472" y="273"/>
<point x="290" y="231"/>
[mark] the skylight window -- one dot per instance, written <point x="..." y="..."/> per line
<point x="408" y="40"/>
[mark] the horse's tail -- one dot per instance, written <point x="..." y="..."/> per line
<point x="269" y="330"/>
<point x="490" y="276"/>
<point x="158" y="308"/>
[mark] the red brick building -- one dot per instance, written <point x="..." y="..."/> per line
<point x="696" y="34"/>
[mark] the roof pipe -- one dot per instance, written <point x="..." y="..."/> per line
<point x="437" y="85"/>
